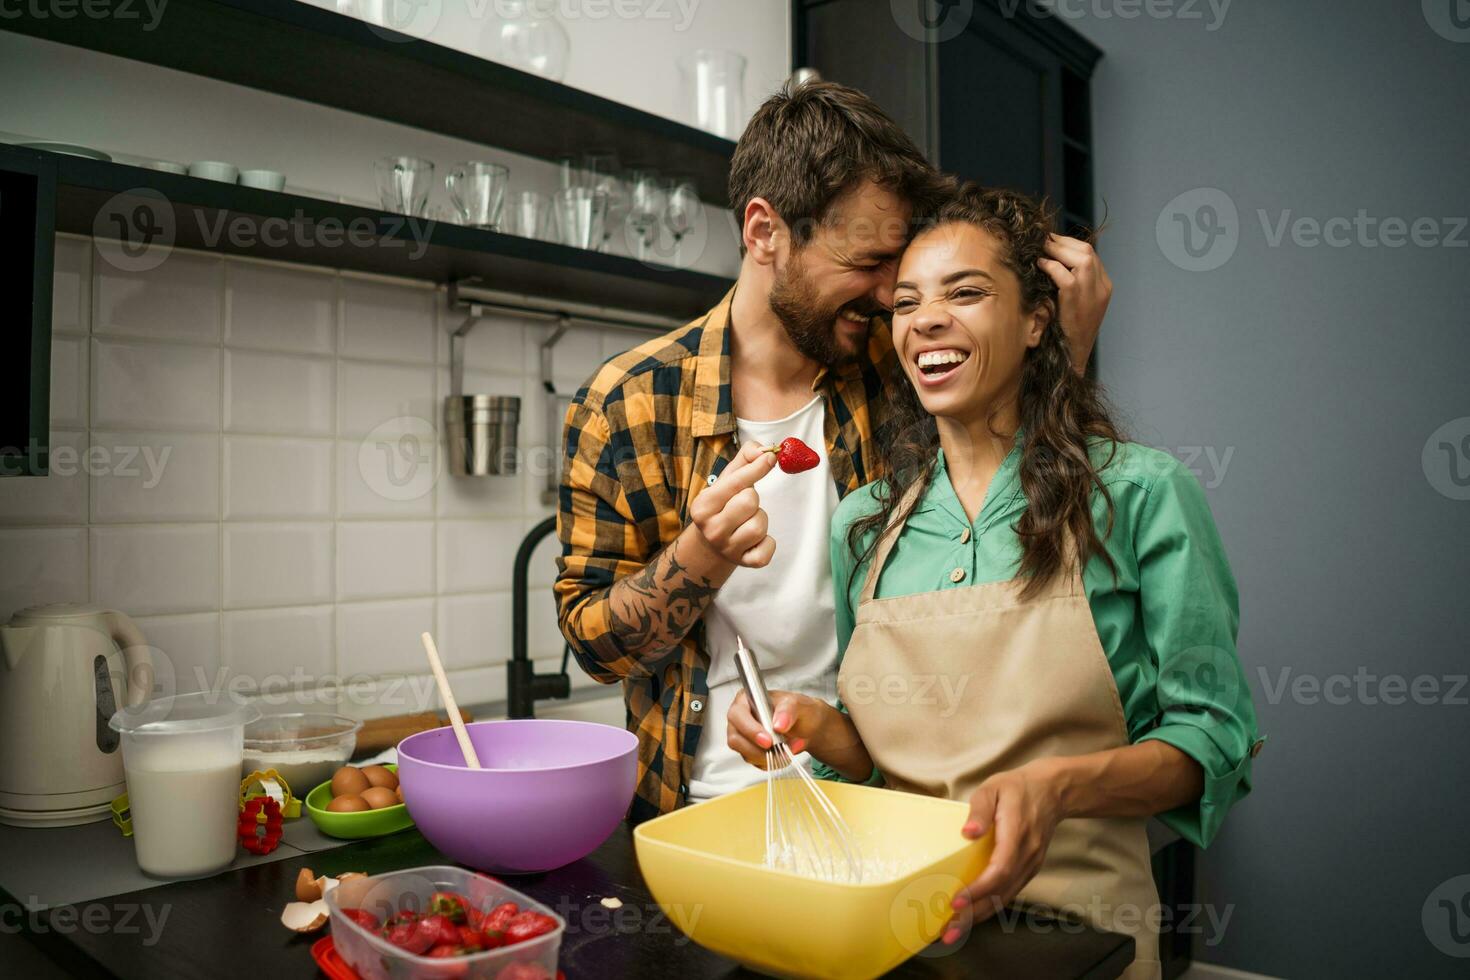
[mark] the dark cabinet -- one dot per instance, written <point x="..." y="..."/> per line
<point x="27" y="245"/>
<point x="990" y="90"/>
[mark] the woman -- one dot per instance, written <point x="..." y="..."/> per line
<point x="1067" y="701"/>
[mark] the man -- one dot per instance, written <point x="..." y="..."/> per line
<point x="668" y="550"/>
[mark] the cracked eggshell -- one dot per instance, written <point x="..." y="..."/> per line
<point x="308" y="886"/>
<point x="305" y="916"/>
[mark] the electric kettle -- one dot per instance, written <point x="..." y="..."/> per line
<point x="64" y="670"/>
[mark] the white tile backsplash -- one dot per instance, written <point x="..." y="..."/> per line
<point x="380" y="559"/>
<point x="280" y="308"/>
<point x="41" y="566"/>
<point x="278" y="394"/>
<point x="280" y="649"/>
<point x="477" y="556"/>
<point x="495" y="343"/>
<point x="265" y="490"/>
<point x="473" y="630"/>
<point x="156" y="568"/>
<point x="382" y="637"/>
<point x="68" y="382"/>
<point x="277" y="478"/>
<point x="385" y="321"/>
<point x="71" y="298"/>
<point x="384" y="399"/>
<point x="138" y="385"/>
<point x="179" y="300"/>
<point x="277" y="564"/>
<point x="150" y="476"/>
<point x="60" y="497"/>
<point x="392" y="476"/>
<point x="186" y="652"/>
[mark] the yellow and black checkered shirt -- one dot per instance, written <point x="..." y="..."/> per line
<point x="650" y="429"/>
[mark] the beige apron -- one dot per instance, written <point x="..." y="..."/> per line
<point x="950" y="687"/>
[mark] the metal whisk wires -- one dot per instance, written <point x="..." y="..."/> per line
<point x="805" y="832"/>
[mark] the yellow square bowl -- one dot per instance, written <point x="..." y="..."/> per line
<point x="704" y="865"/>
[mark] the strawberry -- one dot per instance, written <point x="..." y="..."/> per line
<point x="440" y="929"/>
<point x="497" y="917"/>
<point x="362" y="917"/>
<point x="451" y="905"/>
<point x="794" y="456"/>
<point x="528" y="925"/>
<point x="409" y="936"/>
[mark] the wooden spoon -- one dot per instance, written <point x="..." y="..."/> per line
<point x="437" y="666"/>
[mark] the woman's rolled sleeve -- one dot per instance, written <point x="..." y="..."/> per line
<point x="1190" y="615"/>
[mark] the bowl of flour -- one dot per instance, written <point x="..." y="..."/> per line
<point x="304" y="747"/>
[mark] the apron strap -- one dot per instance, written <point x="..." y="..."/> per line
<point x="889" y="539"/>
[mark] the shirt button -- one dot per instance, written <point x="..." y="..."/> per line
<point x="710" y="480"/>
<point x="965" y="537"/>
<point x="957" y="575"/>
<point x="696" y="705"/>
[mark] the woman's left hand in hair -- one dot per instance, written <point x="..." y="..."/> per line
<point x="1084" y="290"/>
<point x="1023" y="807"/>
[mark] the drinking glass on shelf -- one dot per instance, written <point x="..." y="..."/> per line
<point x="569" y="171"/>
<point x="714" y="87"/>
<point x="581" y="211"/>
<point x="403" y="184"/>
<point x="601" y="171"/>
<point x="680" y="214"/>
<point x="646" y="203"/>
<point x="528" y="215"/>
<point x="478" y="191"/>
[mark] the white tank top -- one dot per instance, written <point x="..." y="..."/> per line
<point x="784" y="611"/>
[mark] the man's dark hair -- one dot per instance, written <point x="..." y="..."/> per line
<point x="811" y="142"/>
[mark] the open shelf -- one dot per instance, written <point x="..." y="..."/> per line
<point x="294" y="49"/>
<point x="227" y="218"/>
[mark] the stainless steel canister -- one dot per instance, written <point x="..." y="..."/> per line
<point x="481" y="430"/>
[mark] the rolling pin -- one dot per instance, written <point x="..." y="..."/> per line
<point x="385" y="733"/>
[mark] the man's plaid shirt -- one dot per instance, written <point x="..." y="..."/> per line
<point x="649" y="430"/>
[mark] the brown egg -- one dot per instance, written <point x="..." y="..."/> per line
<point x="399" y="791"/>
<point x="378" y="797"/>
<point x="348" y="804"/>
<point x="380" y="776"/>
<point x="349" y="781"/>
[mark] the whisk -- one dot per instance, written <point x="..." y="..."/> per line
<point x="805" y="832"/>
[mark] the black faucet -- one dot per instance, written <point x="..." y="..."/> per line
<point x="524" y="687"/>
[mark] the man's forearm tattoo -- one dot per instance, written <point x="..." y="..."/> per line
<point x="656" y="610"/>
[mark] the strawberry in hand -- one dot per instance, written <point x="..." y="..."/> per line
<point x="794" y="456"/>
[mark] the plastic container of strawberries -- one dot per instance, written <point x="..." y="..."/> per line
<point x="374" y="958"/>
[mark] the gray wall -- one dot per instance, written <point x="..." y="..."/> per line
<point x="1324" y="371"/>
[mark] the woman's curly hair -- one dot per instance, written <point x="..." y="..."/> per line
<point x="1061" y="412"/>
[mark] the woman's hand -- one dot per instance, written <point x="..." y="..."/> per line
<point x="808" y="724"/>
<point x="1023" y="806"/>
<point x="797" y="717"/>
<point x="1083" y="293"/>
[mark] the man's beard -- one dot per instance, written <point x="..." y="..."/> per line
<point x="808" y="323"/>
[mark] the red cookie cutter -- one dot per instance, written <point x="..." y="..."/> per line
<point x="259" y="827"/>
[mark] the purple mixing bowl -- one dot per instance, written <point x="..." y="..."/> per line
<point x="550" y="791"/>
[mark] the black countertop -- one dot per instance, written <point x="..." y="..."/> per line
<point x="229" y="926"/>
